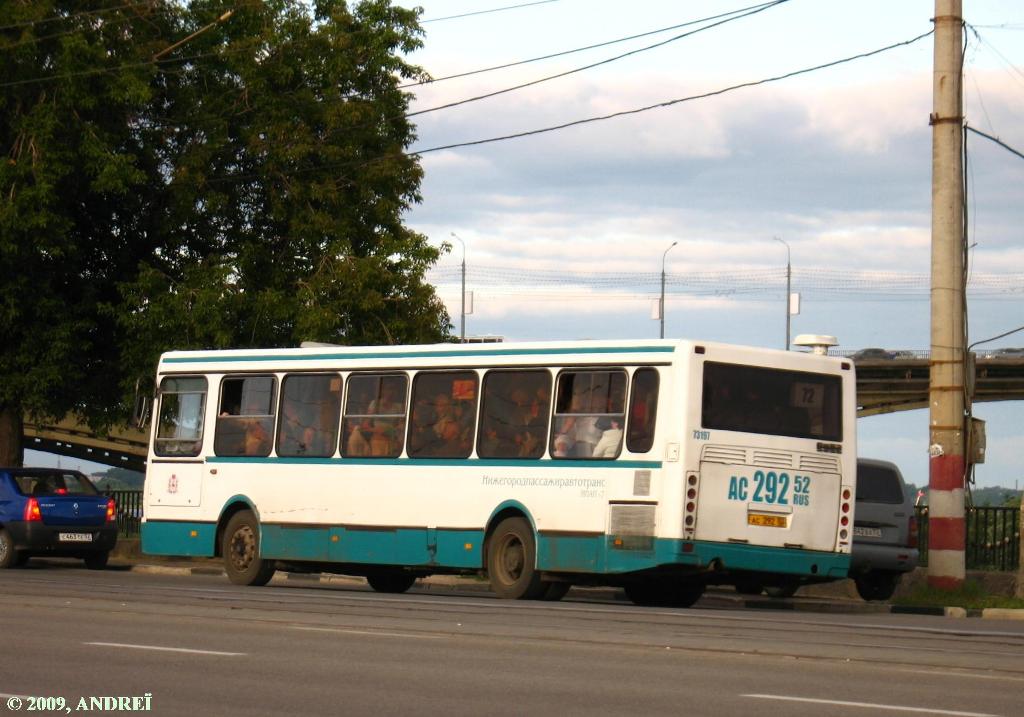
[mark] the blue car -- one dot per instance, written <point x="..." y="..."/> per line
<point x="54" y="512"/>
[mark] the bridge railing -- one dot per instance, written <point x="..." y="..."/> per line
<point x="129" y="510"/>
<point x="993" y="537"/>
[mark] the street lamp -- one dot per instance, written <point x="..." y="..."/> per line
<point x="661" y="303"/>
<point x="462" y="322"/>
<point x="789" y="275"/>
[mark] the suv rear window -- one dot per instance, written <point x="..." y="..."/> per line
<point x="878" y="484"/>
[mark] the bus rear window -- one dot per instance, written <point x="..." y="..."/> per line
<point x="773" y="402"/>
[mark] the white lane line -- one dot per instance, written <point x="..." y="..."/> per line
<point x="870" y="705"/>
<point x="954" y="673"/>
<point x="373" y="633"/>
<point x="165" y="649"/>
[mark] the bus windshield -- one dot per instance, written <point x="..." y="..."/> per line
<point x="774" y="402"/>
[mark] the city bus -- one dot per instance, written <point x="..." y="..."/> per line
<point x="659" y="466"/>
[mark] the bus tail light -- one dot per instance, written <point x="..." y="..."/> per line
<point x="912" y="532"/>
<point x="32" y="513"/>
<point x="111" y="510"/>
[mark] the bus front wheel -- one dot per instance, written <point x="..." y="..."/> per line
<point x="241" y="549"/>
<point x="512" y="560"/>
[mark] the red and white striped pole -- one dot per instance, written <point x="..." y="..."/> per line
<point x="947" y="464"/>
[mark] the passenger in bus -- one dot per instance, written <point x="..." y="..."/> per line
<point x="297" y="436"/>
<point x="257" y="440"/>
<point x="446" y="428"/>
<point x="562" y="446"/>
<point x="357" y="444"/>
<point x="611" y="440"/>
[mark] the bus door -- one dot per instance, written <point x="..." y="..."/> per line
<point x="174" y="476"/>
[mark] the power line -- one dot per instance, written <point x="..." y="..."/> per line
<point x="669" y="103"/>
<point x="595" y="64"/>
<point x="487" y="12"/>
<point x="579" y="49"/>
<point x="998" y="141"/>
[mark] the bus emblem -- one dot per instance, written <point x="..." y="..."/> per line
<point x="172" y="484"/>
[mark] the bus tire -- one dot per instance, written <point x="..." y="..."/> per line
<point x="664" y="593"/>
<point x="390" y="581"/>
<point x="512" y="561"/>
<point x="241" y="550"/>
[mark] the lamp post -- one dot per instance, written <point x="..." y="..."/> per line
<point x="462" y="310"/>
<point x="789" y="276"/>
<point x="661" y="303"/>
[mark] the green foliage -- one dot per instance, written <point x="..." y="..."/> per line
<point x="247" y="188"/>
<point x="119" y="479"/>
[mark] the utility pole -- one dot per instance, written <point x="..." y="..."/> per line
<point x="789" y="277"/>
<point x="661" y="302"/>
<point x="946" y="444"/>
<point x="462" y="322"/>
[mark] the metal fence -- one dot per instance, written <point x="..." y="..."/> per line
<point x="993" y="538"/>
<point x="129" y="510"/>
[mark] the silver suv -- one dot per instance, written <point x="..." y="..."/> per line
<point x="884" y="530"/>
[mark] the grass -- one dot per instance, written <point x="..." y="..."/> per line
<point x="971" y="596"/>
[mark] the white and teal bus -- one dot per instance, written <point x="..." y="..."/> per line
<point x="661" y="466"/>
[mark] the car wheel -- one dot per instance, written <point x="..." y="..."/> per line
<point x="241" y="549"/>
<point x="511" y="561"/>
<point x="9" y="557"/>
<point x="97" y="561"/>
<point x="876" y="584"/>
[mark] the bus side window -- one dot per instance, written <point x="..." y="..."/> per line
<point x="179" y="429"/>
<point x="514" y="414"/>
<point x="245" y="421"/>
<point x="590" y="408"/>
<point x="374" y="415"/>
<point x="310" y="406"/>
<point x="643" y="410"/>
<point x="443" y="414"/>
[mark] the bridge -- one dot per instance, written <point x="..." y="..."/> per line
<point x="884" y="385"/>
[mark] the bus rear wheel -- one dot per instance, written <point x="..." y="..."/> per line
<point x="512" y="561"/>
<point x="390" y="581"/>
<point x="241" y="550"/>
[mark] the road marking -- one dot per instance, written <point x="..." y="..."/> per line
<point x="165" y="649"/>
<point x="870" y="705"/>
<point x="955" y="673"/>
<point x="373" y="633"/>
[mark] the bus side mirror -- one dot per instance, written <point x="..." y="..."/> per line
<point x="142" y="404"/>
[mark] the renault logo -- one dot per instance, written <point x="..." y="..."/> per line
<point x="75" y="506"/>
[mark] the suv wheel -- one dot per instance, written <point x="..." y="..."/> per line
<point x="876" y="584"/>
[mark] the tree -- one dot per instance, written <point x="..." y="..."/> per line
<point x="76" y="77"/>
<point x="244" y="188"/>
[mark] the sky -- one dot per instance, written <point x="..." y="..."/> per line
<point x="566" y="232"/>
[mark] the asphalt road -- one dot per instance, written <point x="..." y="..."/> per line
<point x="198" y="645"/>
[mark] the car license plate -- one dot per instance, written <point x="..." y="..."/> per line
<point x="862" y="532"/>
<point x="75" y="537"/>
<point x="766" y="521"/>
